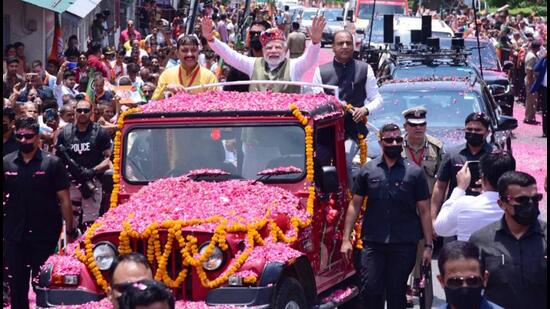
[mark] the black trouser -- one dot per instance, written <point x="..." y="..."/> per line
<point x="22" y="258"/>
<point x="544" y="106"/>
<point x="384" y="272"/>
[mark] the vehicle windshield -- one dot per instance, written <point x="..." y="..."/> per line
<point x="308" y="15"/>
<point x="332" y="15"/>
<point x="446" y="109"/>
<point x="365" y="10"/>
<point x="433" y="71"/>
<point x="243" y="151"/>
<point x="488" y="56"/>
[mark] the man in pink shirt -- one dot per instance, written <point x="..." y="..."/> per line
<point x="94" y="60"/>
<point x="124" y="34"/>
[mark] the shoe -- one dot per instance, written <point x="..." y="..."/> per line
<point x="534" y="122"/>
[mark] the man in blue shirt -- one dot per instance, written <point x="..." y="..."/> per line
<point x="462" y="277"/>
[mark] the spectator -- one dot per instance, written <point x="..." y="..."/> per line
<point x="127" y="269"/>
<point x="99" y="32"/>
<point x="462" y="214"/>
<point x="20" y="54"/>
<point x="188" y="73"/>
<point x="90" y="146"/>
<point x="463" y="277"/>
<point x="100" y="93"/>
<point x="133" y="71"/>
<point x="222" y="28"/>
<point x="72" y="47"/>
<point x="66" y="112"/>
<point x="158" y="34"/>
<point x="540" y="88"/>
<point x="147" y="294"/>
<point x="148" y="89"/>
<point x="11" y="77"/>
<point x="514" y="248"/>
<point x="531" y="102"/>
<point x="94" y="60"/>
<point x="9" y="51"/>
<point x="124" y="35"/>
<point x="47" y="78"/>
<point x="118" y="65"/>
<point x="477" y="130"/>
<point x="34" y="89"/>
<point x="82" y="69"/>
<point x="37" y="184"/>
<point x="136" y="48"/>
<point x="8" y="121"/>
<point x="392" y="223"/>
<point x="296" y="41"/>
<point x="52" y="68"/>
<point x="69" y="81"/>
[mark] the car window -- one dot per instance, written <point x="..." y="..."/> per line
<point x="153" y="153"/>
<point x="332" y="15"/>
<point x="446" y="109"/>
<point x="435" y="71"/>
<point x="365" y="10"/>
<point x="308" y="15"/>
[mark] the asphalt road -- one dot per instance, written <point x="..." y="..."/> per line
<point x="528" y="147"/>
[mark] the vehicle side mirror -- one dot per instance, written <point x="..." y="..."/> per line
<point x="350" y="15"/>
<point x="329" y="179"/>
<point x="385" y="78"/>
<point x="497" y="90"/>
<point x="360" y="31"/>
<point x="506" y="123"/>
<point x="507" y="65"/>
<point x="340" y="18"/>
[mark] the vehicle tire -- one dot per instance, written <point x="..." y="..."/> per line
<point x="322" y="44"/>
<point x="289" y="295"/>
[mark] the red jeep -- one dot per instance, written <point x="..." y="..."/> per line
<point x="235" y="198"/>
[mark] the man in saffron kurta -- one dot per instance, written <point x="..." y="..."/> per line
<point x="274" y="66"/>
<point x="188" y="73"/>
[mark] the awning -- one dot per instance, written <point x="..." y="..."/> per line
<point x="58" y="6"/>
<point x="82" y="8"/>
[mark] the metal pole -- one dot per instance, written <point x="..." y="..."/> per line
<point x="477" y="37"/>
<point x="372" y="22"/>
<point x="192" y="16"/>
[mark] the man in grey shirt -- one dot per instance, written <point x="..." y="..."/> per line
<point x="296" y="41"/>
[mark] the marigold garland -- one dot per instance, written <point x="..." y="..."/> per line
<point x="188" y="245"/>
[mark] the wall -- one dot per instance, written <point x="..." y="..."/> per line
<point x="35" y="42"/>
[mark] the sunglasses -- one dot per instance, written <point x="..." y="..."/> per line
<point x="83" y="110"/>
<point x="414" y="125"/>
<point x="524" y="199"/>
<point x="458" y="282"/>
<point x="25" y="135"/>
<point x="390" y="140"/>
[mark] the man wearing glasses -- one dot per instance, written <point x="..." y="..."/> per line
<point x="89" y="145"/>
<point x="35" y="185"/>
<point x="397" y="217"/>
<point x="513" y="249"/>
<point x="463" y="277"/>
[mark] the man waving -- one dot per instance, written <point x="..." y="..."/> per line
<point x="274" y="65"/>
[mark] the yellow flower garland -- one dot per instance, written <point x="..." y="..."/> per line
<point x="188" y="245"/>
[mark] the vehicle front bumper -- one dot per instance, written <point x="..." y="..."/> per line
<point x="257" y="297"/>
<point x="46" y="297"/>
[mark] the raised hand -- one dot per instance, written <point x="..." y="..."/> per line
<point x="317" y="27"/>
<point x="207" y="28"/>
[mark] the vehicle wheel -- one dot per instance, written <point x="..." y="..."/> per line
<point x="322" y="44"/>
<point x="289" y="295"/>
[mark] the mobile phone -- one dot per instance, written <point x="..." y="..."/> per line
<point x="473" y="166"/>
<point x="71" y="65"/>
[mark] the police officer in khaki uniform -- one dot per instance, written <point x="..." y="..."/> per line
<point x="427" y="152"/>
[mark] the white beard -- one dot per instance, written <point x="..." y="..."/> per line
<point x="273" y="63"/>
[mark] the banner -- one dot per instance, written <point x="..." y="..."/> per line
<point x="56" y="52"/>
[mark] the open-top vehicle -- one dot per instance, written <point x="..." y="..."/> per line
<point x="234" y="198"/>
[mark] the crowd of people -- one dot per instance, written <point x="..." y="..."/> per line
<point x="59" y="121"/>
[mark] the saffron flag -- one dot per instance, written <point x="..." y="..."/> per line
<point x="56" y="52"/>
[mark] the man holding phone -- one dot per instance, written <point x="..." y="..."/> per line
<point x="462" y="214"/>
<point x="476" y="132"/>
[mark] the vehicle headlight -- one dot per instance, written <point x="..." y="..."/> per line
<point x="104" y="255"/>
<point x="215" y="260"/>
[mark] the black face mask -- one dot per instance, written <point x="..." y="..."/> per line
<point x="393" y="152"/>
<point x="464" y="297"/>
<point x="26" y="148"/>
<point x="474" y="139"/>
<point x="526" y="214"/>
<point x="6" y="127"/>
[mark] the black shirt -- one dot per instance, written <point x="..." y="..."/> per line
<point x="10" y="145"/>
<point x="517" y="267"/>
<point x="85" y="151"/>
<point x="32" y="210"/>
<point x="391" y="215"/>
<point x="454" y="160"/>
<point x="236" y="75"/>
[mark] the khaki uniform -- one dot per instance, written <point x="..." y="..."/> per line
<point x="432" y="155"/>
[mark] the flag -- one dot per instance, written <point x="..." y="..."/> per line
<point x="56" y="52"/>
<point x="89" y="89"/>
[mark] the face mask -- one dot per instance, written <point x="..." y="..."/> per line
<point x="6" y="127"/>
<point x="393" y="152"/>
<point x="26" y="148"/>
<point x="474" y="139"/>
<point x="526" y="214"/>
<point x="464" y="297"/>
